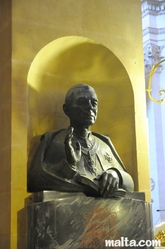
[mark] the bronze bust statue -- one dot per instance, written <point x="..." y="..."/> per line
<point x="76" y="159"/>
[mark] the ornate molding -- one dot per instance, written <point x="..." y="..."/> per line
<point x="151" y="7"/>
<point x="152" y="55"/>
<point x="154" y="31"/>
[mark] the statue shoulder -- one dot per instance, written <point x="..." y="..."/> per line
<point x="104" y="138"/>
<point x="50" y="135"/>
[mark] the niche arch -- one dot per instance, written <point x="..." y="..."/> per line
<point x="70" y="60"/>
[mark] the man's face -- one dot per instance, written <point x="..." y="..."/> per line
<point x="84" y="107"/>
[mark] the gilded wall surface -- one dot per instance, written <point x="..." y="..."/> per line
<point x="5" y="123"/>
<point x="113" y="30"/>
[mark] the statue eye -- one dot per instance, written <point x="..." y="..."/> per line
<point x="94" y="102"/>
<point x="86" y="101"/>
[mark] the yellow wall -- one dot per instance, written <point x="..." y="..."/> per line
<point x="5" y="122"/>
<point x="115" y="24"/>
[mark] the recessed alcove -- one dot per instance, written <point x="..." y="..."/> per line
<point x="71" y="60"/>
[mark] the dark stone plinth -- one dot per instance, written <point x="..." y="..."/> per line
<point x="74" y="221"/>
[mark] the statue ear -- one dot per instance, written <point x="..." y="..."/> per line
<point x="66" y="109"/>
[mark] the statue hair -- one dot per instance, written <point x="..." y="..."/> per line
<point x="70" y="94"/>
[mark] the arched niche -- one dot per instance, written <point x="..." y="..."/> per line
<point x="70" y="60"/>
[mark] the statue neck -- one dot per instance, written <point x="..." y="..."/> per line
<point x="82" y="133"/>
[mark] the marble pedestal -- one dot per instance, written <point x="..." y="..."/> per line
<point x="74" y="221"/>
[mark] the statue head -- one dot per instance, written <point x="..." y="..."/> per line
<point x="81" y="105"/>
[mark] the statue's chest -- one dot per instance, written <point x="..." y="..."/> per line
<point x="95" y="159"/>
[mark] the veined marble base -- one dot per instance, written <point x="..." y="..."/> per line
<point x="74" y="221"/>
